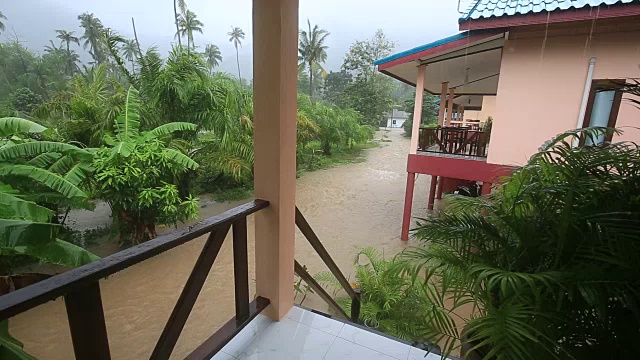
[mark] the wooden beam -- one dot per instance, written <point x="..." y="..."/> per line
<point x="180" y="314"/>
<point x="86" y="322"/>
<point x="299" y="269"/>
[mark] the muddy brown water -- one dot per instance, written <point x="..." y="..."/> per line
<point x="349" y="206"/>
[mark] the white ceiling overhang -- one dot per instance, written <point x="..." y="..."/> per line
<point x="473" y="69"/>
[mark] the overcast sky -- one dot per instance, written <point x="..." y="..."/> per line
<point x="407" y="22"/>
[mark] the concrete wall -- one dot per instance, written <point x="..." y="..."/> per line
<point x="540" y="89"/>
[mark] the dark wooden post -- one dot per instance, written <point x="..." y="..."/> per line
<point x="86" y="321"/>
<point x="355" y="307"/>
<point x="241" y="269"/>
<point x="189" y="295"/>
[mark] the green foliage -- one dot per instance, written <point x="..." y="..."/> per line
<point x="334" y="126"/>
<point x="390" y="303"/>
<point x="33" y="171"/>
<point x="335" y="86"/>
<point x="137" y="174"/>
<point x="213" y="55"/>
<point x="21" y="68"/>
<point x="25" y="100"/>
<point x="550" y="261"/>
<point x="371" y="97"/>
<point x="429" y="111"/>
<point x="10" y="347"/>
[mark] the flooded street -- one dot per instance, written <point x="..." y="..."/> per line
<point x="348" y="206"/>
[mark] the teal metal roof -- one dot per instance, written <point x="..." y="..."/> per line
<point x="497" y="8"/>
<point x="424" y="47"/>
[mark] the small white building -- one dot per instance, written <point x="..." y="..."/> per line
<point x="396" y="118"/>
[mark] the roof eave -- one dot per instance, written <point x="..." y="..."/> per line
<point x="585" y="13"/>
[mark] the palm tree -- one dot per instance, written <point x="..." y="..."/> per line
<point x="188" y="24"/>
<point x="312" y="51"/>
<point x="67" y="37"/>
<point x="92" y="31"/>
<point x="236" y="35"/>
<point x="213" y="55"/>
<point x="182" y="4"/>
<point x="130" y="50"/>
<point x="53" y="49"/>
<point x="1" y="23"/>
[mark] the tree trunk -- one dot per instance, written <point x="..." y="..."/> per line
<point x="238" y="62"/>
<point x="175" y="13"/>
<point x="326" y="148"/>
<point x="135" y="35"/>
<point x="68" y="60"/>
<point x="310" y="81"/>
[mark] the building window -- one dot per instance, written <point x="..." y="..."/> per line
<point x="602" y="108"/>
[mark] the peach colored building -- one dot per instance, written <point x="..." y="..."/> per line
<point x="537" y="67"/>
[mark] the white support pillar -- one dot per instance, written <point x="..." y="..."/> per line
<point x="443" y="103"/>
<point x="417" y="109"/>
<point x="275" y="71"/>
<point x="450" y="106"/>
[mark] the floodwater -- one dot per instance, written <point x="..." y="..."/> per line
<point x="348" y="206"/>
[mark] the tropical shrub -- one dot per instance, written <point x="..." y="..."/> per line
<point x="33" y="172"/>
<point x="389" y="302"/>
<point x="137" y="174"/>
<point x="550" y="261"/>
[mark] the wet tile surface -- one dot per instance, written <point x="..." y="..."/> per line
<point x="304" y="335"/>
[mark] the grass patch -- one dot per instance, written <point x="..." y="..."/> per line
<point x="314" y="159"/>
<point x="231" y="194"/>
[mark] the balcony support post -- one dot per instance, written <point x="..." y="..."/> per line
<point x="443" y="103"/>
<point x="432" y="191"/>
<point x="464" y="122"/>
<point x="450" y="106"/>
<point x="408" y="203"/>
<point x="275" y="71"/>
<point x="417" y="109"/>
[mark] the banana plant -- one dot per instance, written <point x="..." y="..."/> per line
<point x="138" y="172"/>
<point x="26" y="167"/>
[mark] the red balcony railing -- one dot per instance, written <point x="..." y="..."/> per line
<point x="453" y="140"/>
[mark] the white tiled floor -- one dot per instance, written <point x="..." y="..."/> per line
<point x="304" y="335"/>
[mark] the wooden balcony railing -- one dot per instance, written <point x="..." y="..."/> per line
<point x="354" y="294"/>
<point x="81" y="290"/>
<point x="453" y="140"/>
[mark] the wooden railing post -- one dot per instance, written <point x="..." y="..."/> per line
<point x="241" y="269"/>
<point x="180" y="314"/>
<point x="86" y="322"/>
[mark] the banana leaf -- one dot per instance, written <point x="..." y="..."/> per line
<point x="10" y="347"/>
<point x="25" y="233"/>
<point x="12" y="125"/>
<point x="59" y="252"/>
<point x="16" y="208"/>
<point x="34" y="148"/>
<point x="44" y="177"/>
